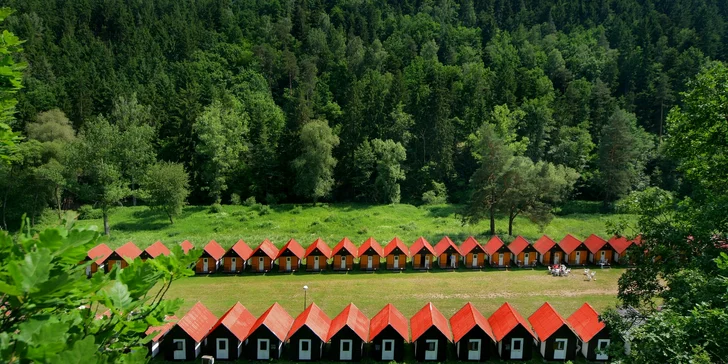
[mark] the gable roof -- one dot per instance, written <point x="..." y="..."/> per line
<point x="129" y="251"/>
<point x="238" y="320"/>
<point x="186" y="246"/>
<point x="292" y="246"/>
<point x="313" y="318"/>
<point x="99" y="253"/>
<point x="394" y="244"/>
<point x="197" y="322"/>
<point x="544" y="244"/>
<point x="321" y="246"/>
<point x="620" y="244"/>
<point x="420" y="244"/>
<point x="275" y="319"/>
<point x="493" y="245"/>
<point x="426" y="318"/>
<point x="156" y="249"/>
<point x="469" y="245"/>
<point x="345" y="244"/>
<point x="594" y="243"/>
<point x="163" y="329"/>
<point x="353" y="318"/>
<point x="585" y="322"/>
<point x="267" y="248"/>
<point x="444" y="244"/>
<point x="569" y="243"/>
<point x="466" y="319"/>
<point x="545" y="321"/>
<point x="240" y="249"/>
<point x="505" y="319"/>
<point x="518" y="244"/>
<point x="389" y="316"/>
<point x="214" y="250"/>
<point x="371" y="243"/>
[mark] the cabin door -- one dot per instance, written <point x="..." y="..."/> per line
<point x="222" y="349"/>
<point x="179" y="349"/>
<point x="396" y="262"/>
<point x="315" y="263"/>
<point x="205" y="265"/>
<point x="602" y="256"/>
<point x="261" y="264"/>
<point x="343" y="262"/>
<point x="233" y="264"/>
<point x="517" y="348"/>
<point x="474" y="349"/>
<point x="427" y="261"/>
<point x="601" y="347"/>
<point x="526" y="256"/>
<point x="263" y="353"/>
<point x="288" y="263"/>
<point x="430" y="349"/>
<point x="387" y="350"/>
<point x="500" y="259"/>
<point x="556" y="258"/>
<point x="369" y="261"/>
<point x="475" y="261"/>
<point x="560" y="349"/>
<point x="345" y="347"/>
<point x="578" y="257"/>
<point x="304" y="349"/>
<point x="88" y="271"/>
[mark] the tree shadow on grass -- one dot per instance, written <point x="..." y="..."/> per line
<point x="443" y="210"/>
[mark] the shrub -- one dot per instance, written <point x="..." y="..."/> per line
<point x="215" y="208"/>
<point x="297" y="210"/>
<point x="264" y="210"/>
<point x="436" y="196"/>
<point x="271" y="199"/>
<point x="235" y="199"/>
<point x="250" y="201"/>
<point x="87" y="212"/>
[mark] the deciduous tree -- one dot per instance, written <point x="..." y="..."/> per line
<point x="166" y="187"/>
<point x="315" y="165"/>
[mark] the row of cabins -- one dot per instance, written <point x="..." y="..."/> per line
<point x="351" y="336"/>
<point x="372" y="256"/>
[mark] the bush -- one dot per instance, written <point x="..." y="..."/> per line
<point x="271" y="199"/>
<point x="297" y="210"/>
<point x="235" y="199"/>
<point x="215" y="208"/>
<point x="580" y="207"/>
<point x="250" y="201"/>
<point x="87" y="212"/>
<point x="264" y="210"/>
<point x="48" y="217"/>
<point x="436" y="196"/>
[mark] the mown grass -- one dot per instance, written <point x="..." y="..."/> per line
<point x="330" y="222"/>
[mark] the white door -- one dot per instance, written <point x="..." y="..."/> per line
<point x="369" y="262"/>
<point x="601" y="346"/>
<point x="500" y="259"/>
<point x="427" y="262"/>
<point x="525" y="258"/>
<point x="474" y="349"/>
<point x="233" y="264"/>
<point x="556" y="258"/>
<point x="396" y="262"/>
<point x="263" y="352"/>
<point x="204" y="265"/>
<point x="304" y="350"/>
<point x="288" y="263"/>
<point x="430" y="349"/>
<point x="452" y="261"/>
<point x="88" y="271"/>
<point x="179" y="349"/>
<point x="578" y="257"/>
<point x="602" y="256"/>
<point x="516" y="348"/>
<point x="343" y="262"/>
<point x="560" y="349"/>
<point x="345" y="349"/>
<point x="387" y="349"/>
<point x="475" y="260"/>
<point x="315" y="263"/>
<point x="261" y="264"/>
<point x="222" y="349"/>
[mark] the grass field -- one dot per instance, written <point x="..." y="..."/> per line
<point x="330" y="222"/>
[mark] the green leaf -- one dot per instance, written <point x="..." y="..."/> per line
<point x="83" y="352"/>
<point x="34" y="270"/>
<point x="10" y="290"/>
<point x="118" y="296"/>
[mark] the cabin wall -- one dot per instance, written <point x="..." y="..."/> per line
<point x="431" y="334"/>
<point x="304" y="333"/>
<point x="480" y="260"/>
<point x="444" y="260"/>
<point x="487" y="346"/>
<point x="254" y="264"/>
<point x="402" y="261"/>
<point x="521" y="257"/>
<point x="506" y="258"/>
<point x="282" y="263"/>
<point x="363" y="262"/>
<point x="357" y="344"/>
<point x="222" y="333"/>
<point x="251" y="344"/>
<point x="591" y="350"/>
<point x="336" y="263"/>
<point x="418" y="262"/>
<point x="167" y="346"/>
<point x="388" y="333"/>
<point x="310" y="262"/>
<point x="562" y="333"/>
<point x="211" y="265"/>
<point x="518" y="332"/>
<point x="584" y="255"/>
<point x="227" y="264"/>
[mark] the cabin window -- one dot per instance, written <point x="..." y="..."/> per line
<point x="559" y="345"/>
<point x="431" y="345"/>
<point x="387" y="346"/>
<point x="263" y="344"/>
<point x="304" y="345"/>
<point x="345" y="345"/>
<point x="473" y="345"/>
<point x="179" y="345"/>
<point x="222" y="344"/>
<point x="516" y="345"/>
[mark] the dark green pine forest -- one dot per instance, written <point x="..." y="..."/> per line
<point x="351" y="101"/>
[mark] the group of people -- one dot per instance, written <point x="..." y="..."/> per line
<point x="559" y="270"/>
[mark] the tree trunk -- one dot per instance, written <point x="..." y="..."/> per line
<point x="106" y="223"/>
<point x="492" y="220"/>
<point x="510" y="224"/>
<point x="171" y="221"/>
<point x="133" y="192"/>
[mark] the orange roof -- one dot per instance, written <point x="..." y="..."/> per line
<point x="319" y="245"/>
<point x="466" y="319"/>
<point x="162" y="329"/>
<point x="99" y="253"/>
<point x="426" y="318"/>
<point x="238" y="320"/>
<point x="292" y="246"/>
<point x="389" y="316"/>
<point x="313" y="318"/>
<point x="214" y="250"/>
<point x="585" y="322"/>
<point x="546" y="321"/>
<point x="156" y="249"/>
<point x="493" y="245"/>
<point x="469" y="245"/>
<point x="569" y="243"/>
<point x="129" y="251"/>
<point x="594" y="243"/>
<point x="275" y="319"/>
<point x="352" y="317"/>
<point x="197" y="322"/>
<point x="518" y="244"/>
<point x="445" y="244"/>
<point x="420" y="244"/>
<point x="544" y="244"/>
<point x="396" y="243"/>
<point x="620" y="244"/>
<point x="371" y="244"/>
<point x="186" y="246"/>
<point x="267" y="248"/>
<point x="505" y="319"/>
<point x="347" y="245"/>
<point x="242" y="249"/>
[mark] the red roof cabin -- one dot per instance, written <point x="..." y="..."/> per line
<point x="473" y="252"/>
<point x="309" y="334"/>
<point x="423" y="254"/>
<point x="396" y="254"/>
<point x="574" y="249"/>
<point x="344" y="254"/>
<point x="592" y="333"/>
<point x="448" y="253"/>
<point x="430" y="334"/>
<point x="472" y="334"/>
<point x="261" y="260"/>
<point x="498" y="253"/>
<point x="549" y="252"/>
<point x="620" y="246"/>
<point x="317" y="256"/>
<point x="348" y="334"/>
<point x="600" y="251"/>
<point x="266" y="337"/>
<point x="185" y="340"/>
<point x="122" y="256"/>
<point x="154" y="251"/>
<point x="236" y="258"/>
<point x="159" y="333"/>
<point x="227" y="337"/>
<point x="289" y="257"/>
<point x="512" y="333"/>
<point x="98" y="256"/>
<point x="209" y="261"/>
<point x="370" y="254"/>
<point x="388" y="332"/>
<point x="186" y="246"/>
<point x="524" y="254"/>
<point x="554" y="338"/>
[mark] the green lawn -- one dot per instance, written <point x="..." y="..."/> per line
<point x="330" y="222"/>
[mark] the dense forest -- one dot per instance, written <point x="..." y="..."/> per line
<point x="370" y="100"/>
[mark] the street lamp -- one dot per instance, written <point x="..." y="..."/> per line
<point x="305" y="289"/>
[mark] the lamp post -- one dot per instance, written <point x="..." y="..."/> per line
<point x="305" y="289"/>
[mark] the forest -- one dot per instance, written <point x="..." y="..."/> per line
<point x="369" y="101"/>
